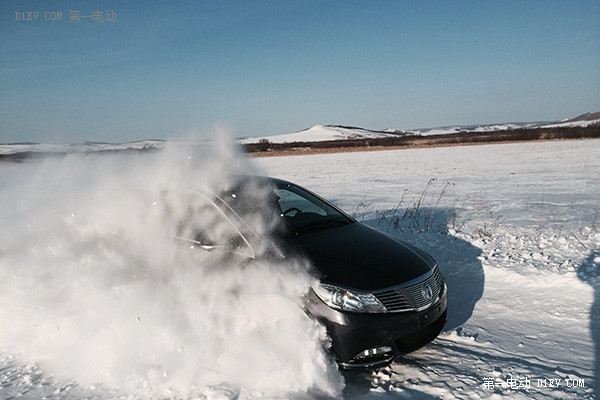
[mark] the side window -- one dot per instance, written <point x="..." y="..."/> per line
<point x="292" y="204"/>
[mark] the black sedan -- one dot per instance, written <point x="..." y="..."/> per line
<point x="378" y="297"/>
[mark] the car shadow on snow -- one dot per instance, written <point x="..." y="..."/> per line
<point x="589" y="272"/>
<point x="459" y="262"/>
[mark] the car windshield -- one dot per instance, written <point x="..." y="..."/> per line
<point x="303" y="212"/>
<point x="298" y="210"/>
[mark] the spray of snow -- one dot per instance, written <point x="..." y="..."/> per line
<point x="94" y="287"/>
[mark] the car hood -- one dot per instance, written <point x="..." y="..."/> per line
<point x="359" y="257"/>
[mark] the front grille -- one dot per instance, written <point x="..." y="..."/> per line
<point x="413" y="296"/>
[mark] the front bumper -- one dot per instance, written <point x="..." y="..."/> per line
<point x="362" y="340"/>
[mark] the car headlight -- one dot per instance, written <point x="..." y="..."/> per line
<point x="349" y="300"/>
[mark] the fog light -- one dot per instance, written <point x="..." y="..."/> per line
<point x="373" y="353"/>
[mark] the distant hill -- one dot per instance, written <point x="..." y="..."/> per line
<point x="320" y="133"/>
<point x="585" y="117"/>
<point x="336" y="137"/>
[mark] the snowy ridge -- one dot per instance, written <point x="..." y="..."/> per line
<point x="319" y="133"/>
<point x="83" y="147"/>
<point x="449" y="130"/>
<point x="573" y="124"/>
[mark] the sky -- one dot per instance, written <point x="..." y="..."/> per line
<point x="115" y="71"/>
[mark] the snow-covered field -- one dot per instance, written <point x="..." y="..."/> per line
<point x="514" y="227"/>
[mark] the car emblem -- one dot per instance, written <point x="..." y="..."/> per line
<point x="427" y="292"/>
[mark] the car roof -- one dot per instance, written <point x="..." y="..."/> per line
<point x="264" y="179"/>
